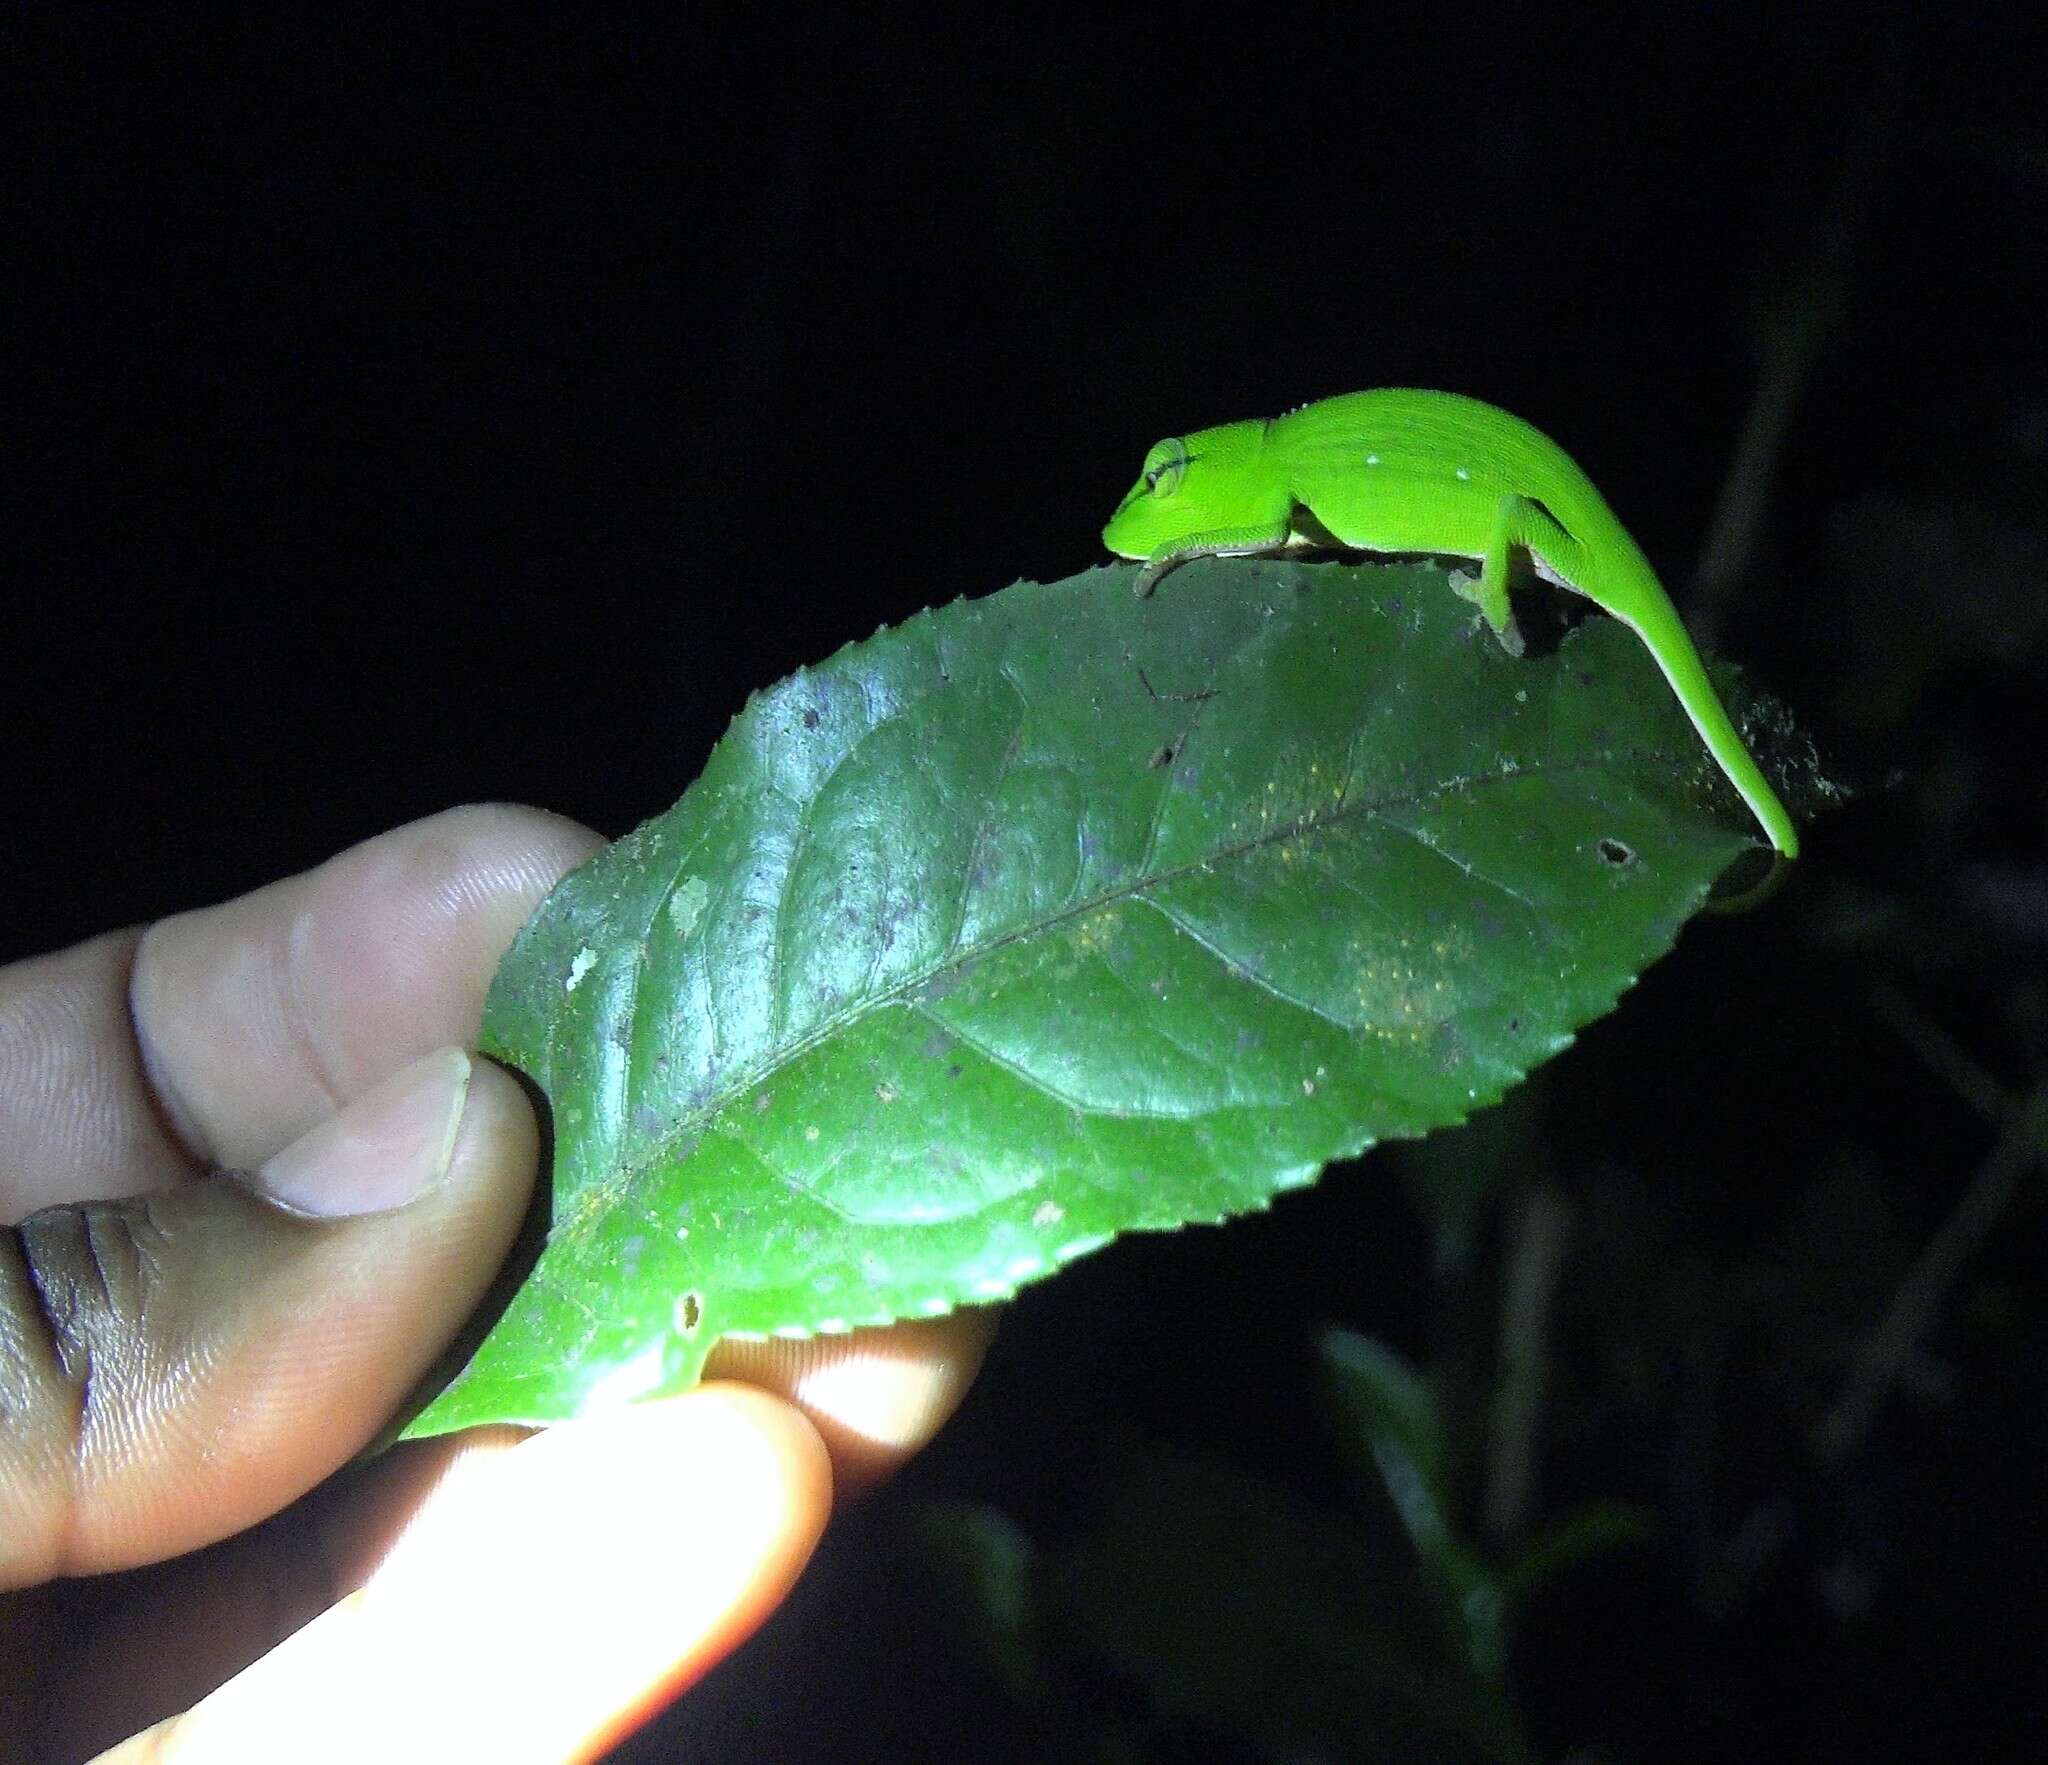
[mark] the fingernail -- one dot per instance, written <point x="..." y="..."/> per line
<point x="389" y="1146"/>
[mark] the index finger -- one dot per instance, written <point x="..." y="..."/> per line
<point x="217" y="1037"/>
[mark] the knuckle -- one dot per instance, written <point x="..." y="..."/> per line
<point x="77" y="1285"/>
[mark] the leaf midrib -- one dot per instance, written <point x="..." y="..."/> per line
<point x="600" y="1195"/>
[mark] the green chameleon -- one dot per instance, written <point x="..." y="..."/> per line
<point x="1398" y="470"/>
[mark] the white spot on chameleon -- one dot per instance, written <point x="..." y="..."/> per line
<point x="1049" y="1213"/>
<point x="580" y="965"/>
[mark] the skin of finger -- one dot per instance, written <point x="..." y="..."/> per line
<point x="108" y="1655"/>
<point x="173" y="1633"/>
<point x="76" y="1117"/>
<point x="258" y="1018"/>
<point x="230" y="1007"/>
<point x="875" y="1396"/>
<point x="165" y="1637"/>
<point x="648" y="1545"/>
<point x="247" y="1353"/>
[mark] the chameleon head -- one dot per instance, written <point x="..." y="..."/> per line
<point x="1191" y="484"/>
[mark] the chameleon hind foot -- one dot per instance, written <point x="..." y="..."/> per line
<point x="1492" y="602"/>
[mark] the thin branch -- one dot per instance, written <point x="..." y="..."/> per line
<point x="1942" y="1054"/>
<point x="1796" y="325"/>
<point x="1919" y="1297"/>
<point x="1794" y="332"/>
<point x="1515" y="1428"/>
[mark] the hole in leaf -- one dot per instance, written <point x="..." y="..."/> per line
<point x="1615" y="853"/>
<point x="690" y="1313"/>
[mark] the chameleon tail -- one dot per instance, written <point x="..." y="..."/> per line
<point x="1664" y="635"/>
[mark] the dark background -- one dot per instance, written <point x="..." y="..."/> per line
<point x="405" y="413"/>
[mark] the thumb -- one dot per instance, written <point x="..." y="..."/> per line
<point x="178" y="1365"/>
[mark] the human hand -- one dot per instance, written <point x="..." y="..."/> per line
<point x="189" y="1361"/>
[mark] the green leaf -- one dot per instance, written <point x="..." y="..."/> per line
<point x="982" y="1570"/>
<point x="1237" y="1605"/>
<point x="1388" y="1406"/>
<point x="1592" y="1529"/>
<point x="1057" y="914"/>
<point x="1389" y="1411"/>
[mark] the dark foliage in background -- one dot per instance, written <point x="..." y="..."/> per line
<point x="415" y="410"/>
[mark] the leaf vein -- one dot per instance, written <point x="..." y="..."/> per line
<point x="1081" y="1111"/>
<point x="1240" y="970"/>
<point x="905" y="991"/>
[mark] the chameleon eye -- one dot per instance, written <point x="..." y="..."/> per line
<point x="1165" y="466"/>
